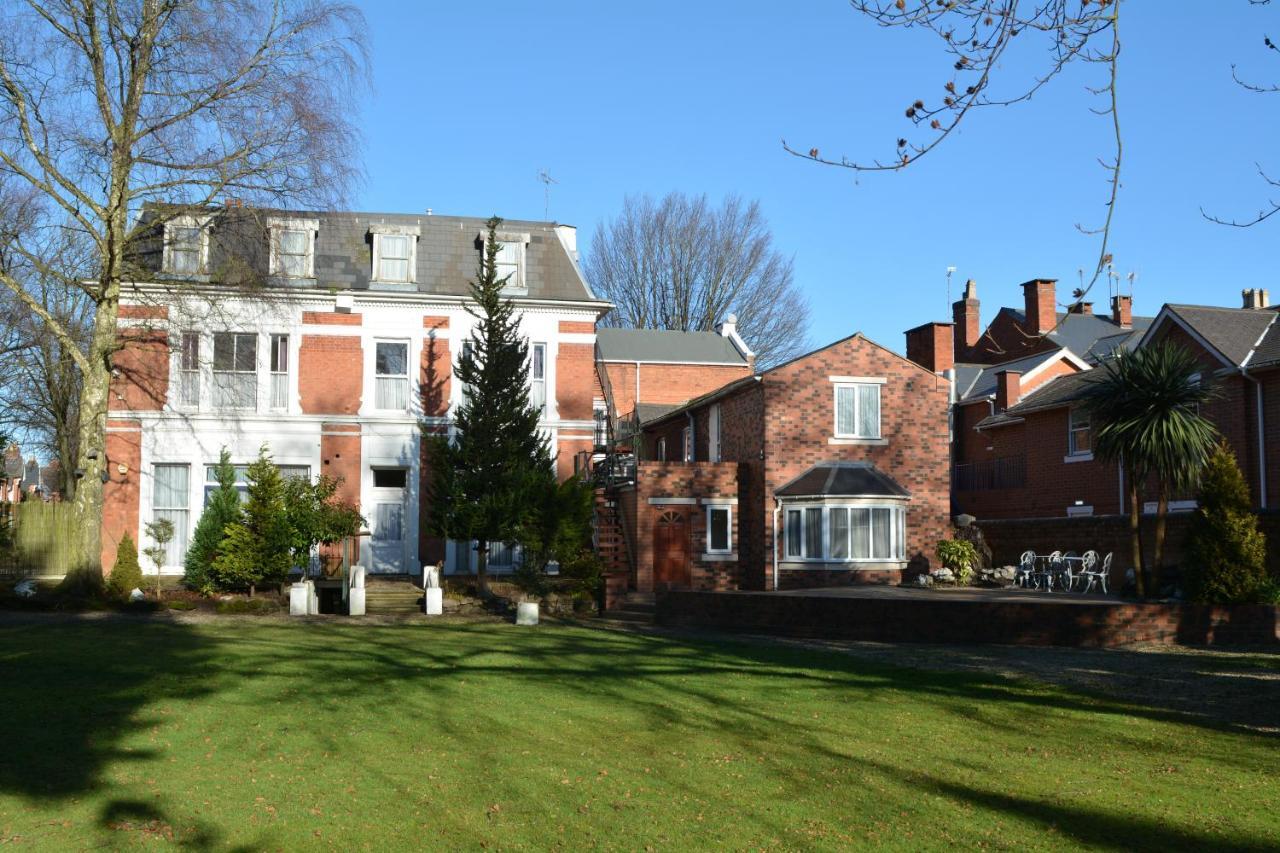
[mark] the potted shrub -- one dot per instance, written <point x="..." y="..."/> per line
<point x="960" y="557"/>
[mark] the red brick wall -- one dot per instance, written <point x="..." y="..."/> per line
<point x="330" y="374"/>
<point x="143" y="312"/>
<point x="566" y="449"/>
<point x="799" y="419"/>
<point x="1006" y="339"/>
<point x="340" y="458"/>
<point x="331" y="318"/>
<point x="577" y="327"/>
<point x="140" y="368"/>
<point x="575" y="380"/>
<point x="666" y="383"/>
<point x="437" y="375"/>
<point x="120" y="492"/>
<point x="679" y="480"/>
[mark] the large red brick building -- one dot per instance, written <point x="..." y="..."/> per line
<point x="1022" y="441"/>
<point x="828" y="469"/>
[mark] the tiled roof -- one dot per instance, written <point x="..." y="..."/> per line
<point x="660" y="345"/>
<point x="1059" y="391"/>
<point x="1091" y="336"/>
<point x="974" y="381"/>
<point x="843" y="479"/>
<point x="1231" y="331"/>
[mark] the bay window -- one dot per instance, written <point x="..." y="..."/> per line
<point x="845" y="533"/>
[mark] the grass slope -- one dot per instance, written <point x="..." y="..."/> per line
<point x="277" y="735"/>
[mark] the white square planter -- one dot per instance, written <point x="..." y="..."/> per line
<point x="299" y="599"/>
<point x="527" y="613"/>
<point x="355" y="601"/>
<point x="434" y="596"/>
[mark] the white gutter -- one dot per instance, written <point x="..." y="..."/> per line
<point x="777" y="508"/>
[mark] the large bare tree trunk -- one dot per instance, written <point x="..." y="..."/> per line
<point x="91" y="456"/>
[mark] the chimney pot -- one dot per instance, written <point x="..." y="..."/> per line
<point x="1008" y="389"/>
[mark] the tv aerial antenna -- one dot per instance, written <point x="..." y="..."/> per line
<point x="950" y="270"/>
<point x="547" y="181"/>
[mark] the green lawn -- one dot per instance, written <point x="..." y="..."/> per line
<point x="277" y="735"/>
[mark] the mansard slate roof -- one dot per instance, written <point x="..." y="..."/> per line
<point x="661" y="345"/>
<point x="448" y="251"/>
<point x="843" y="479"/>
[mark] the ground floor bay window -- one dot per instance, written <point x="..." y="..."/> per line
<point x="852" y="533"/>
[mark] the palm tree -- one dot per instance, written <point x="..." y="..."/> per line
<point x="1145" y="405"/>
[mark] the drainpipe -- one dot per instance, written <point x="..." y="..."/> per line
<point x="693" y="446"/>
<point x="777" y="508"/>
<point x="637" y="383"/>
<point x="1262" y="446"/>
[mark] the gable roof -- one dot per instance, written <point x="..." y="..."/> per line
<point x="843" y="479"/>
<point x="447" y="257"/>
<point x="1057" y="392"/>
<point x="1230" y="333"/>
<point x="665" y="346"/>
<point x="978" y="381"/>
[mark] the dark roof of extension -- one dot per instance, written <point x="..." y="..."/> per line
<point x="660" y="345"/>
<point x="650" y="411"/>
<point x="1234" y="332"/>
<point x="975" y="381"/>
<point x="1093" y="337"/>
<point x="1059" y="391"/>
<point x="843" y="479"/>
<point x="448" y="251"/>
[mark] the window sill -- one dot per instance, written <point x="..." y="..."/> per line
<point x="871" y="441"/>
<point x="1078" y="457"/>
<point x="281" y="280"/>
<point x="404" y="286"/>
<point x="731" y="557"/>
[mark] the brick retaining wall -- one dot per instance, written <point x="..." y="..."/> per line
<point x="930" y="619"/>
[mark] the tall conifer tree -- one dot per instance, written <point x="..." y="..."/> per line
<point x="483" y="481"/>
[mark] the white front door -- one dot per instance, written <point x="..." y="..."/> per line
<point x="387" y="521"/>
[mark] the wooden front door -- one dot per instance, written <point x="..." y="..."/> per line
<point x="671" y="550"/>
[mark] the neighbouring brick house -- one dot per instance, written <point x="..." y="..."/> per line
<point x="1022" y="443"/>
<point x="332" y="338"/>
<point x="828" y="469"/>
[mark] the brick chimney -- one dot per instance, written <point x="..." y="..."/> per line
<point x="932" y="346"/>
<point x="1122" y="311"/>
<point x="1255" y="299"/>
<point x="967" y="327"/>
<point x="1008" y="389"/>
<point x="1042" y="311"/>
<point x="1080" y="308"/>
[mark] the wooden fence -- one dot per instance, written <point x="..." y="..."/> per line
<point x="40" y="539"/>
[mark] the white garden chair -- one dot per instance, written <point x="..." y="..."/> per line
<point x="1044" y="574"/>
<point x="1026" y="568"/>
<point x="1097" y="575"/>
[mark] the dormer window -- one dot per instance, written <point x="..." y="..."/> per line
<point x="186" y="245"/>
<point x="293" y="247"/>
<point x="395" y="253"/>
<point x="510" y="263"/>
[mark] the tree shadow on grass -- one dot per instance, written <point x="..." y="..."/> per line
<point x="78" y="689"/>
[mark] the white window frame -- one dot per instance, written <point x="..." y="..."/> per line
<point x="1073" y="452"/>
<point x="714" y="452"/>
<point x="214" y="371"/>
<point x="897" y="533"/>
<point x="278" y="380"/>
<point x="189" y="342"/>
<point x="518" y="283"/>
<point x="407" y="376"/>
<point x="199" y="223"/>
<point x="728" y="510"/>
<point x="277" y="227"/>
<point x="538" y="379"/>
<point x="412" y="232"/>
<point x="854" y="387"/>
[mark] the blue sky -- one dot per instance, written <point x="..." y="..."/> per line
<point x="470" y="100"/>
